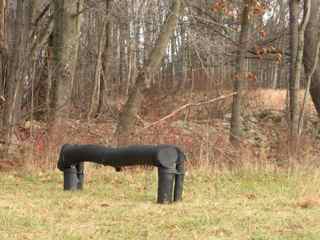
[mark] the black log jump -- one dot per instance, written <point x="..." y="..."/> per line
<point x="168" y="158"/>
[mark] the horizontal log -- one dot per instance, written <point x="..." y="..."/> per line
<point x="160" y="156"/>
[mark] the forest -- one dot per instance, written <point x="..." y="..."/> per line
<point x="124" y="72"/>
<point x="235" y="84"/>
<point x="170" y="72"/>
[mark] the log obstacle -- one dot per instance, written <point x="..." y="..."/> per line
<point x="169" y="160"/>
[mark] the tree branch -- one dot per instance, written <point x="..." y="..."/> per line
<point x="187" y="106"/>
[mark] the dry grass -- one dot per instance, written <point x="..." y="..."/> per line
<point x="276" y="100"/>
<point x="256" y="200"/>
<point x="202" y="132"/>
<point x="309" y="202"/>
<point x="242" y="205"/>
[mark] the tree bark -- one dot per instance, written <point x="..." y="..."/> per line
<point x="3" y="53"/>
<point x="127" y="117"/>
<point x="16" y="70"/>
<point x="235" y="132"/>
<point x="106" y="56"/>
<point x="2" y="23"/>
<point x="296" y="47"/>
<point x="96" y="93"/>
<point x="65" y="40"/>
<point x="312" y="37"/>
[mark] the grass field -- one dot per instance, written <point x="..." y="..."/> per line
<point x="217" y="205"/>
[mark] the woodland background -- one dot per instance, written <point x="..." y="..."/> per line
<point x="228" y="81"/>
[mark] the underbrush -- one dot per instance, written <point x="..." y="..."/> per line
<point x="201" y="131"/>
<point x="243" y="204"/>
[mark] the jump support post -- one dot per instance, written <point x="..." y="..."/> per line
<point x="168" y="158"/>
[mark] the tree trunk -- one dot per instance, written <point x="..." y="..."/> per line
<point x="96" y="93"/>
<point x="296" y="47"/>
<point x="312" y="37"/>
<point x="3" y="54"/>
<point x="122" y="57"/>
<point x="106" y="57"/>
<point x="128" y="115"/>
<point x="235" y="132"/>
<point x="16" y="70"/>
<point x="297" y="75"/>
<point x="2" y="24"/>
<point x="65" y="39"/>
<point x="41" y="30"/>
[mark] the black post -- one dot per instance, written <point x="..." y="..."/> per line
<point x="80" y="175"/>
<point x="178" y="187"/>
<point x="165" y="185"/>
<point x="70" y="179"/>
<point x="179" y="178"/>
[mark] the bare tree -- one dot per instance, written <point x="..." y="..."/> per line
<point x="128" y="115"/>
<point x="3" y="51"/>
<point x="296" y="46"/>
<point x="97" y="89"/>
<point x="312" y="38"/>
<point x="235" y="132"/>
<point x="65" y="40"/>
<point x="294" y="81"/>
<point x="16" y="72"/>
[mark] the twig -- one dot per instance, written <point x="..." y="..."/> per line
<point x="186" y="106"/>
<point x="44" y="11"/>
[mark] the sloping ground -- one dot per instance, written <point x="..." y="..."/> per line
<point x="201" y="131"/>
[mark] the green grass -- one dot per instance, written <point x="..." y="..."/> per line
<point x="217" y="205"/>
